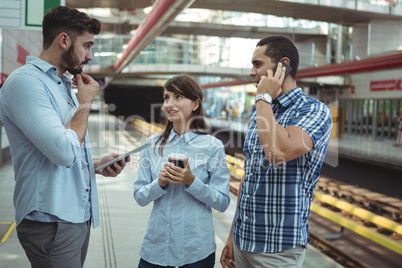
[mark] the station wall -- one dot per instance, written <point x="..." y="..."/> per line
<point x="386" y="36"/>
<point x="17" y="45"/>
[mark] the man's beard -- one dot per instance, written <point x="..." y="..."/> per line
<point x="71" y="62"/>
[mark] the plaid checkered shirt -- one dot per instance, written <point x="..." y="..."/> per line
<point x="274" y="205"/>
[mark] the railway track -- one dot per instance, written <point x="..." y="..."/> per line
<point x="378" y="203"/>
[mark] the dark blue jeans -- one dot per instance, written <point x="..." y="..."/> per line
<point x="208" y="262"/>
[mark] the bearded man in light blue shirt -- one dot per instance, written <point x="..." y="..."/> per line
<point x="55" y="195"/>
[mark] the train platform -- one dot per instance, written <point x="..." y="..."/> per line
<point x="360" y="148"/>
<point x="116" y="242"/>
<point x="365" y="149"/>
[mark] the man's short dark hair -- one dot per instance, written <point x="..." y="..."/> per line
<point x="69" y="20"/>
<point x="279" y="47"/>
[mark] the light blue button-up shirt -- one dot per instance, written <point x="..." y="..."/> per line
<point x="180" y="229"/>
<point x="50" y="174"/>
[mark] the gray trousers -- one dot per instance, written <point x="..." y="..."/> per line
<point x="291" y="258"/>
<point x="54" y="244"/>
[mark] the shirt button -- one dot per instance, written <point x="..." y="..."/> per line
<point x="87" y="190"/>
<point x="251" y="174"/>
<point x="59" y="82"/>
<point x="54" y="69"/>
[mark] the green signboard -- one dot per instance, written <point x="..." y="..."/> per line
<point x="36" y="9"/>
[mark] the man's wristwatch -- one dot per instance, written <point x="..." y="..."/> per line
<point x="265" y="97"/>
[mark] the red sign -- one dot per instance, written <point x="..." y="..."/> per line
<point x="22" y="54"/>
<point x="3" y="78"/>
<point x="385" y="85"/>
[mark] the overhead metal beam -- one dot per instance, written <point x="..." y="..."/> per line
<point x="386" y="62"/>
<point x="162" y="13"/>
<point x="365" y="65"/>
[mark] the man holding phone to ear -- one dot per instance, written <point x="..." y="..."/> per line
<point x="55" y="196"/>
<point x="284" y="149"/>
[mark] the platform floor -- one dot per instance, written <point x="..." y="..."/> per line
<point x="117" y="241"/>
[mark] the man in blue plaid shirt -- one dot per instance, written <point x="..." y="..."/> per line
<point x="285" y="146"/>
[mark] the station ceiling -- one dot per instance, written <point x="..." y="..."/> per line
<point x="329" y="11"/>
<point x="344" y="12"/>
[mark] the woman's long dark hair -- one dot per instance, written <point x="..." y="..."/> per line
<point x="190" y="89"/>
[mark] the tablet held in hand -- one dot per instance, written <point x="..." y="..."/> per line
<point x="123" y="156"/>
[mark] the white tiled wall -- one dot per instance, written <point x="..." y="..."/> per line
<point x="359" y="41"/>
<point x="362" y="85"/>
<point x="29" y="40"/>
<point x="382" y="37"/>
<point x="312" y="51"/>
<point x="9" y="40"/>
<point x="386" y="36"/>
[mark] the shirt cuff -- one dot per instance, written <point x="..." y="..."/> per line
<point x="195" y="187"/>
<point x="156" y="189"/>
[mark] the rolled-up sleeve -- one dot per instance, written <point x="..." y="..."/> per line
<point x="33" y="111"/>
<point x="316" y="120"/>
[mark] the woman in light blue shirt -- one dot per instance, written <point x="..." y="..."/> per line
<point x="180" y="230"/>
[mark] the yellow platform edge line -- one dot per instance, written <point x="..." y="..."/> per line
<point x="362" y="213"/>
<point x="358" y="228"/>
<point x="7" y="234"/>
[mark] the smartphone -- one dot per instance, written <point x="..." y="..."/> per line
<point x="177" y="162"/>
<point x="284" y="64"/>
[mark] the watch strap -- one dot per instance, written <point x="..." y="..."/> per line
<point x="264" y="97"/>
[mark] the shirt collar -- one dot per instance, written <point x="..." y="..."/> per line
<point x="46" y="67"/>
<point x="186" y="136"/>
<point x="290" y="97"/>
